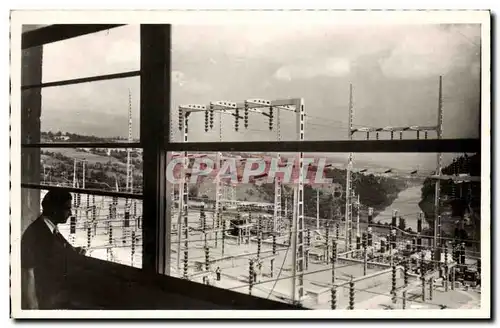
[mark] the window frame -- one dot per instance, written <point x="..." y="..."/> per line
<point x="155" y="115"/>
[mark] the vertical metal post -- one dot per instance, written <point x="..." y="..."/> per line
<point x="317" y="209"/>
<point x="348" y="173"/>
<point x="422" y="274"/>
<point x="358" y="206"/>
<point x="298" y="218"/>
<point x="437" y="251"/>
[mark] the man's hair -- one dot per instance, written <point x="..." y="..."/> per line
<point x="55" y="199"/>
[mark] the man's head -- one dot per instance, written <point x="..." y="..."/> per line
<point x="57" y="206"/>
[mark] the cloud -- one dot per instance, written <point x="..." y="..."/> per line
<point x="189" y="84"/>
<point x="330" y="67"/>
<point x="420" y="54"/>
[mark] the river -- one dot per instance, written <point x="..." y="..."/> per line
<point x="407" y="206"/>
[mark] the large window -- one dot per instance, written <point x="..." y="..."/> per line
<point x="80" y="103"/>
<point x="351" y="160"/>
<point x="235" y="100"/>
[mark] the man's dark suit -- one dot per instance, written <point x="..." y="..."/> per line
<point x="49" y="255"/>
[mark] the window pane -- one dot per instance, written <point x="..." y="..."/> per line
<point x="395" y="83"/>
<point x="99" y="112"/>
<point x="88" y="168"/>
<point x="111" y="51"/>
<point x="390" y="194"/>
<point x="108" y="228"/>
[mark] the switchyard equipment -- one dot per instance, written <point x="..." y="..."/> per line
<point x="267" y="109"/>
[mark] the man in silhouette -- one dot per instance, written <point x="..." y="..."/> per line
<point x="46" y="256"/>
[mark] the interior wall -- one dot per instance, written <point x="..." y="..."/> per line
<point x="31" y="73"/>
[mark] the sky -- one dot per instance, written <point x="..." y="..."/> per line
<point x="394" y="72"/>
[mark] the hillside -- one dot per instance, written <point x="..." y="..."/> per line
<point x="456" y="201"/>
<point x="106" y="170"/>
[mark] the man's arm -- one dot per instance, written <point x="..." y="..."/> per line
<point x="28" y="288"/>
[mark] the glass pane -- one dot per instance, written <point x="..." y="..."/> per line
<point x="87" y="168"/>
<point x="99" y="112"/>
<point x="108" y="228"/>
<point x="235" y="225"/>
<point x="111" y="51"/>
<point x="395" y="83"/>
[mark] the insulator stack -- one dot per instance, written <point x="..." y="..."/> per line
<point x="206" y="121"/>
<point x="236" y="120"/>
<point x="382" y="246"/>
<point x="402" y="223"/>
<point x="223" y="236"/>
<point x="334" y="289"/>
<point x="393" y="291"/>
<point x="259" y="243"/>
<point x="422" y="266"/>
<point x="364" y="240"/>
<point x="211" y="114"/>
<point x="358" y="242"/>
<point x="370" y="237"/>
<point x="393" y="239"/>
<point x="392" y="135"/>
<point x="426" y="134"/>
<point x="126" y="222"/>
<point x="271" y="116"/>
<point x="72" y="225"/>
<point x="207" y="258"/>
<point x="181" y="118"/>
<point x="110" y="234"/>
<point x="367" y="135"/>
<point x="370" y="216"/>
<point x="456" y="254"/>
<point x="334" y="298"/>
<point x="89" y="235"/>
<point x="185" y="273"/>
<point x="327" y="242"/>
<point x="400" y="135"/>
<point x="351" y="294"/>
<point x="135" y="209"/>
<point x="251" y="275"/>
<point x="245" y="116"/>
<point x="377" y="136"/>
<point x="394" y="218"/>
<point x="274" y="244"/>
<point x="334" y="251"/>
<point x="78" y="200"/>
<point x="308" y="240"/>
<point x="337" y="231"/>
<point x="462" y="253"/>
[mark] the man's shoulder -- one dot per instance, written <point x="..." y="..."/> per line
<point x="33" y="231"/>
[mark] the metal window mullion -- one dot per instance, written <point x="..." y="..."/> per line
<point x="155" y="115"/>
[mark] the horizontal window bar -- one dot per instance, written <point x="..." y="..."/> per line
<point x="339" y="146"/>
<point x="82" y="80"/>
<point x="60" y="32"/>
<point x="83" y="145"/>
<point x="83" y="191"/>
